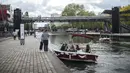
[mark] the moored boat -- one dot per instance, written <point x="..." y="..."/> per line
<point x="76" y="54"/>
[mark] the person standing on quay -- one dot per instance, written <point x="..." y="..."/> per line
<point x="19" y="34"/>
<point x="44" y="40"/>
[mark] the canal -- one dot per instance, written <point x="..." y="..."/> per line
<point x="113" y="58"/>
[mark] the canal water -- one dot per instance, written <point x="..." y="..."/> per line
<point x="113" y="58"/>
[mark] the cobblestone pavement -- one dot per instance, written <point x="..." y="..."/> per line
<point x="4" y="38"/>
<point x="15" y="58"/>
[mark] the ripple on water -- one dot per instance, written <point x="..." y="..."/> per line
<point x="112" y="58"/>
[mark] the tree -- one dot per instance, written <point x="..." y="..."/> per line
<point x="125" y="8"/>
<point x="26" y="14"/>
<point x="73" y="10"/>
<point x="127" y="15"/>
<point x="27" y="26"/>
<point x="53" y="27"/>
<point x="77" y="10"/>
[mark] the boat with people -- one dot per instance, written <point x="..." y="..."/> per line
<point x="73" y="52"/>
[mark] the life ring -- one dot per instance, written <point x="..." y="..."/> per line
<point x="66" y="53"/>
<point x="82" y="56"/>
<point x="62" y="53"/>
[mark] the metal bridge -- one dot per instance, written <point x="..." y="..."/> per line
<point x="114" y="19"/>
<point x="65" y="18"/>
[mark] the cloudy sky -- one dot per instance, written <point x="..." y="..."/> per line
<point x="47" y="7"/>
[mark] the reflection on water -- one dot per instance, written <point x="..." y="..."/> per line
<point x="57" y="39"/>
<point x="113" y="58"/>
<point x="81" y="40"/>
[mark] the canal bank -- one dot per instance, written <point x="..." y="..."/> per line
<point x="121" y="35"/>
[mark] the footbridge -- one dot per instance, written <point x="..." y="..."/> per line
<point x="114" y="18"/>
<point x="65" y="19"/>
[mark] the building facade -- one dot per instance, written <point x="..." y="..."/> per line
<point x="5" y="16"/>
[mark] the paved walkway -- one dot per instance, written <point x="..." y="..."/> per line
<point x="4" y="38"/>
<point x="15" y="58"/>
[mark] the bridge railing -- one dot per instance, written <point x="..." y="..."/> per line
<point x="65" y="18"/>
<point x="125" y="26"/>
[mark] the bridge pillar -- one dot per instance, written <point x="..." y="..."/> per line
<point x="17" y="18"/>
<point x="17" y="22"/>
<point x="115" y="20"/>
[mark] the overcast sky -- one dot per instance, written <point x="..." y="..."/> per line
<point x="47" y="7"/>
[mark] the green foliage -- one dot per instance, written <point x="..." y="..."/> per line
<point x="125" y="20"/>
<point x="27" y="26"/>
<point x="26" y="14"/>
<point x="78" y="10"/>
<point x="53" y="27"/>
<point x="125" y="8"/>
<point x="72" y="9"/>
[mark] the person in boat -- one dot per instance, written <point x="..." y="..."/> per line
<point x="88" y="49"/>
<point x="66" y="47"/>
<point x="77" y="47"/>
<point x="71" y="48"/>
<point x="63" y="47"/>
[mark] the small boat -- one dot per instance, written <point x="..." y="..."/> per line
<point x="104" y="40"/>
<point x="78" y="55"/>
